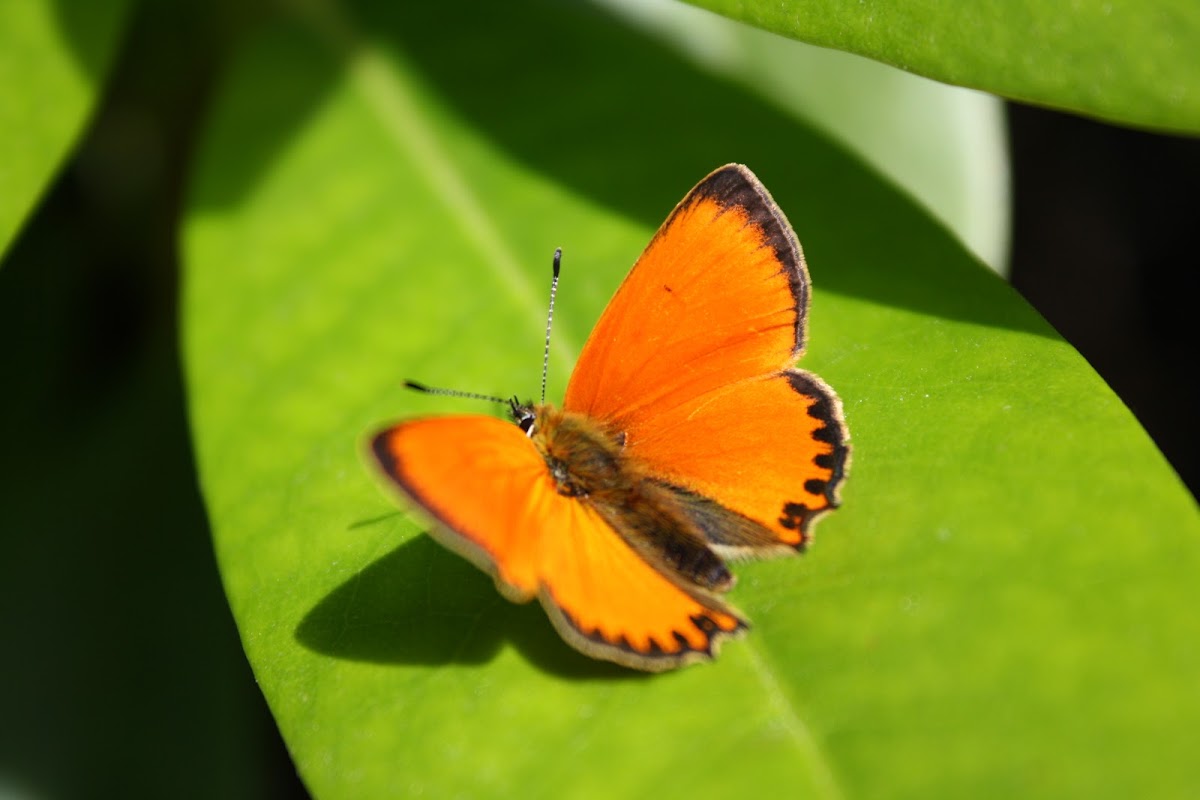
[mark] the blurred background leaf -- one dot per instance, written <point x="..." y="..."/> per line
<point x="1127" y="61"/>
<point x="54" y="57"/>
<point x="122" y="673"/>
<point x="365" y="209"/>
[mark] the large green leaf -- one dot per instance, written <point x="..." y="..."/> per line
<point x="1002" y="607"/>
<point x="1130" y="61"/>
<point x="53" y="59"/>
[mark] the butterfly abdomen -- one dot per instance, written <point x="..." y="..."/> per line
<point x="654" y="527"/>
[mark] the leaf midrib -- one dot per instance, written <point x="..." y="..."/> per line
<point x="377" y="79"/>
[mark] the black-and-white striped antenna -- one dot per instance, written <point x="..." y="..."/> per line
<point x="420" y="387"/>
<point x="550" y="321"/>
<point x="522" y="412"/>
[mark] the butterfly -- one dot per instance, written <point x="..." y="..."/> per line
<point x="686" y="439"/>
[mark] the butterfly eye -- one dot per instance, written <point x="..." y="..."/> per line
<point x="523" y="415"/>
<point x="525" y="423"/>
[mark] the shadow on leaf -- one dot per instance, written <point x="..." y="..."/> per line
<point x="422" y="605"/>
<point x="631" y="134"/>
<point x="617" y="129"/>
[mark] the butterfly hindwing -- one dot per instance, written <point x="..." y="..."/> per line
<point x="771" y="449"/>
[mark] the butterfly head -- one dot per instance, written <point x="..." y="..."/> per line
<point x="524" y="414"/>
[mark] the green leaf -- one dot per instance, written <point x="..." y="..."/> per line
<point x="1003" y="606"/>
<point x="1129" y="61"/>
<point x="53" y="59"/>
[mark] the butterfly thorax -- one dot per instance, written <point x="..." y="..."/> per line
<point x="583" y="455"/>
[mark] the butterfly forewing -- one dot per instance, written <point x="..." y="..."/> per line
<point x="719" y="295"/>
<point x="494" y="500"/>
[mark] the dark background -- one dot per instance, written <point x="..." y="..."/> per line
<point x="1104" y="220"/>
<point x="123" y="674"/>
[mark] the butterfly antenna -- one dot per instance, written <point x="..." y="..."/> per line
<point x="420" y="387"/>
<point x="550" y="321"/>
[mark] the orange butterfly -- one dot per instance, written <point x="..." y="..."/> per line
<point x="685" y="438"/>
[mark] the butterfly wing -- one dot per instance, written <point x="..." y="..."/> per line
<point x="691" y="360"/>
<point x="772" y="449"/>
<point x="495" y="502"/>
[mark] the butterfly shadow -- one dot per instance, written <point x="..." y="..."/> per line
<point x="422" y="605"/>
